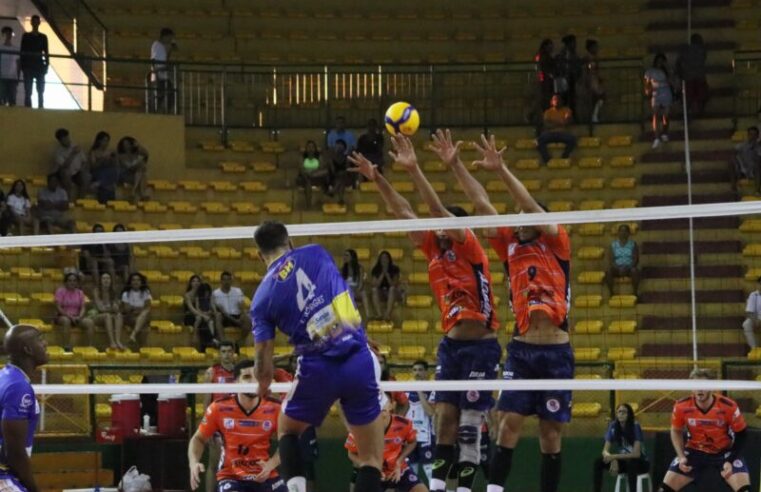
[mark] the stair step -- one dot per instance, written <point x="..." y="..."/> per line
<point x="678" y="135"/>
<point x="74" y="479"/>
<point x="64" y="461"/>
<point x="683" y="247"/>
<point x="666" y="323"/>
<point x="679" y="4"/>
<point x="664" y="200"/>
<point x="685" y="350"/>
<point x="679" y="178"/>
<point x="696" y="24"/>
<point x="682" y="272"/>
<point x="670" y="297"/>
<point x="678" y="156"/>
<point x="710" y="46"/>
<point x="700" y="223"/>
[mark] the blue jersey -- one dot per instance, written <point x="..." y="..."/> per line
<point x="304" y="295"/>
<point x="18" y="403"/>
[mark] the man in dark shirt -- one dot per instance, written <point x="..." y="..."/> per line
<point x="34" y="62"/>
<point x="370" y="144"/>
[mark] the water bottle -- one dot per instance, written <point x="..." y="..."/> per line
<point x="146" y="422"/>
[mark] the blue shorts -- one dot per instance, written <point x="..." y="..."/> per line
<point x="406" y="482"/>
<point x="422" y="454"/>
<point x="9" y="483"/>
<point x="472" y="359"/>
<point x="352" y="379"/>
<point x="529" y="361"/>
<point x="700" y="462"/>
<point x="270" y="485"/>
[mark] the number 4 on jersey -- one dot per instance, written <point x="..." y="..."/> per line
<point x="305" y="288"/>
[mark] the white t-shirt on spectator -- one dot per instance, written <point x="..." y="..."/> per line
<point x="159" y="56"/>
<point x="19" y="204"/>
<point x="228" y="302"/>
<point x="754" y="304"/>
<point x="8" y="62"/>
<point x="75" y="165"/>
<point x="136" y="299"/>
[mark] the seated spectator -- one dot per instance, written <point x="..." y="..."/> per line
<point x="567" y="72"/>
<point x="555" y="130"/>
<point x="752" y="315"/>
<point x="52" y="207"/>
<point x="20" y="208"/>
<point x="387" y="288"/>
<point x="691" y="67"/>
<point x="70" y="310"/>
<point x="103" y="167"/>
<point x="340" y="177"/>
<point x="660" y="91"/>
<point x="95" y="258"/>
<point x="106" y="310"/>
<point x="624" y="259"/>
<point x="355" y="277"/>
<point x="198" y="312"/>
<point x="132" y="161"/>
<point x="313" y="172"/>
<point x="228" y="303"/>
<point x="625" y="435"/>
<point x="746" y="164"/>
<point x="70" y="165"/>
<point x="121" y="255"/>
<point x="592" y="81"/>
<point x="370" y="144"/>
<point x="136" y="308"/>
<point x="341" y="133"/>
<point x="9" y="68"/>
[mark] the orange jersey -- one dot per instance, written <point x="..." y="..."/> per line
<point x="711" y="431"/>
<point x="282" y="376"/>
<point x="245" y="436"/>
<point x="539" y="275"/>
<point x="399" y="433"/>
<point x="460" y="280"/>
<point x="220" y="375"/>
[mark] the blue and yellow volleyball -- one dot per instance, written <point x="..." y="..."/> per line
<point x="402" y="117"/>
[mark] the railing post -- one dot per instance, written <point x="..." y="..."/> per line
<point x="432" y="105"/>
<point x="222" y="105"/>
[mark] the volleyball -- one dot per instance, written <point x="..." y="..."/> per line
<point x="402" y="117"/>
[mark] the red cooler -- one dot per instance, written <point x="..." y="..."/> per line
<point x="172" y="415"/>
<point x="125" y="414"/>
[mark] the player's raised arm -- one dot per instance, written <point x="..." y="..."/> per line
<point x="404" y="155"/>
<point x="493" y="161"/>
<point x="398" y="205"/>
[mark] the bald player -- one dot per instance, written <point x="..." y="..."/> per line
<point x="27" y="350"/>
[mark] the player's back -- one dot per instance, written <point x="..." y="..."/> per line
<point x="304" y="295"/>
<point x="709" y="431"/>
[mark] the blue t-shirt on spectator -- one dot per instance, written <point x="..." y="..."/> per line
<point x="624" y="446"/>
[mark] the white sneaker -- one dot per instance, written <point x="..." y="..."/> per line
<point x="664" y="138"/>
<point x="656" y="143"/>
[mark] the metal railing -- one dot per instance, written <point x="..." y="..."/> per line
<point x="746" y="67"/>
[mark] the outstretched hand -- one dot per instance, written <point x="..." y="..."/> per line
<point x="492" y="158"/>
<point x="442" y="145"/>
<point x="363" y="166"/>
<point x="404" y="152"/>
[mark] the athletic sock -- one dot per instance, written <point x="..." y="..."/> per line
<point x="466" y="475"/>
<point x="297" y="484"/>
<point x="291" y="463"/>
<point x="443" y="457"/>
<point x="499" y="469"/>
<point x="368" y="479"/>
<point x="550" y="472"/>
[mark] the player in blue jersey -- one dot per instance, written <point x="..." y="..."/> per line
<point x="27" y="350"/>
<point x="304" y="295"/>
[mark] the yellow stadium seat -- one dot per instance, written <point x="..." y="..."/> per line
<point x="14" y="251"/>
<point x="153" y="207"/>
<point x="627" y="203"/>
<point x="396" y="253"/>
<point x="89" y="354"/>
<point x="226" y="252"/>
<point x="411" y="352"/>
<point x="253" y="186"/>
<point x="560" y="206"/>
<point x="155" y="276"/>
<point x="558" y="163"/>
<point x="363" y="254"/>
<point x="211" y="274"/>
<point x="751" y="225"/>
<point x="194" y="252"/>
<point x="156" y="354"/>
<point x="249" y="276"/>
<point x="183" y="207"/>
<point x="592" y="184"/>
<point x="223" y="186"/>
<point x="620" y="141"/>
<point x="592" y="229"/>
<point x="590" y="162"/>
<point x="247" y="352"/>
<point x="58" y="353"/>
<point x="248" y="208"/>
<point x="496" y="185"/>
<point x="586" y="410"/>
<point x="263" y="167"/>
<point x="333" y="209"/>
<point x="165" y="326"/>
<point x="589" y="326"/>
<point x="622" y="326"/>
<point x="403" y="186"/>
<point x="751" y="275"/>
<point x="587" y="301"/>
<point x="497" y="277"/>
<point x="532" y="184"/>
<point x="366" y="209"/>
<point x="419" y="301"/>
<point x="192" y="185"/>
<point x="588" y="142"/>
<point x="229" y="167"/>
<point x="163" y="251"/>
<point x="276" y="208"/>
<point x="622" y="161"/>
<point x="74" y="378"/>
<point x="188" y="354"/>
<point x="592" y="205"/>
<point x="587" y="353"/>
<point x="752" y="249"/>
<point x="211" y="146"/>
<point x="282" y="350"/>
<point x="418" y="278"/>
<point x="560" y="184"/>
<point x="586" y="376"/>
<point x="622" y="301"/>
<point x="622" y="353"/>
<point x="240" y="146"/>
<point x="90" y="204"/>
<point x="525" y="144"/>
<point x="434" y="167"/>
<point x="415" y="326"/>
<point x="251" y="252"/>
<point x="380" y="327"/>
<point x="26" y="273"/>
<point x="594" y="278"/>
<point x="758" y="411"/>
<point x="368" y="187"/>
<point x="623" y="183"/>
<point x="755" y="354"/>
<point x="527" y="164"/>
<point x="162" y="185"/>
<point x="102" y="410"/>
<point x="122" y="206"/>
<point x="590" y="253"/>
<point x="41" y="297"/>
<point x="37" y="323"/>
<point x="216" y="208"/>
<point x="418" y="255"/>
<point x="139" y="226"/>
<point x="172" y="301"/>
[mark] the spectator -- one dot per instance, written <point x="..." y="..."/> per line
<point x="161" y="76"/>
<point x="229" y="305"/>
<point x="399" y="398"/>
<point x="313" y="172"/>
<point x="568" y="71"/>
<point x="555" y="129"/>
<point x="592" y="81"/>
<point x="9" y="68"/>
<point x="5" y="218"/>
<point x="133" y="166"/>
<point x="70" y="310"/>
<point x="35" y="59"/>
<point x="95" y="258"/>
<point x="198" y="312"/>
<point x="747" y="160"/>
<point x="20" y="208"/>
<point x="121" y="255"/>
<point x="624" y="259"/>
<point x="103" y="167"/>
<point x="52" y="207"/>
<point x="370" y="144"/>
<point x="545" y="72"/>
<point x="70" y="165"/>
<point x="136" y="308"/>
<point x="752" y="315"/>
<point x="387" y="290"/>
<point x="106" y="311"/>
<point x="625" y="434"/>
<point x="341" y="133"/>
<point x="691" y="67"/>
<point x="340" y="177"/>
<point x="355" y="277"/>
<point x="658" y="88"/>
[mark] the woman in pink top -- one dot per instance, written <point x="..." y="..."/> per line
<point x="70" y="304"/>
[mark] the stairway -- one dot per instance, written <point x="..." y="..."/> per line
<point x="70" y="470"/>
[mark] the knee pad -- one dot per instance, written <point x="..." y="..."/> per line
<point x="469" y="436"/>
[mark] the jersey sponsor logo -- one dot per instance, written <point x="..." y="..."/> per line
<point x="228" y="423"/>
<point x="268" y="411"/>
<point x="453" y="311"/>
<point x="286" y="270"/>
<point x="472" y="396"/>
<point x="477" y="374"/>
<point x="26" y="401"/>
<point x="227" y="486"/>
<point x="438" y="463"/>
<point x="467" y="471"/>
<point x="412" y="477"/>
<point x="267" y="425"/>
<point x="508" y="374"/>
<point x="738" y="463"/>
<point x="248" y="423"/>
<point x="553" y="405"/>
<point x="450" y="255"/>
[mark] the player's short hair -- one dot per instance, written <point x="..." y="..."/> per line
<point x="456" y="210"/>
<point x="166" y="31"/>
<point x="270" y="236"/>
<point x="420" y="362"/>
<point x="700" y="373"/>
<point x="227" y="343"/>
<point x="7" y="29"/>
<point x="225" y="274"/>
<point x="61" y="133"/>
<point x="240" y="366"/>
<point x="753" y="129"/>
